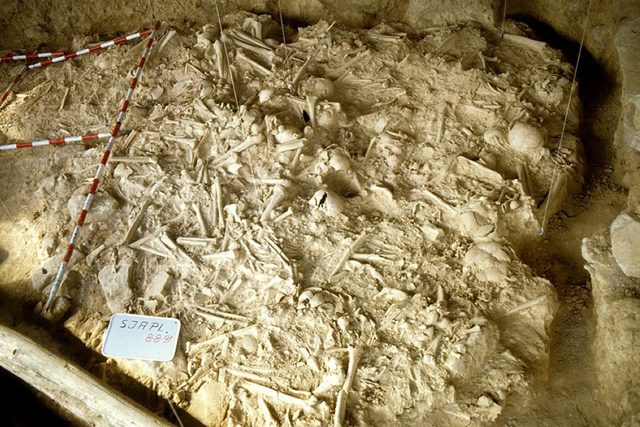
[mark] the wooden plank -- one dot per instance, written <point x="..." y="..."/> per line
<point x="69" y="385"/>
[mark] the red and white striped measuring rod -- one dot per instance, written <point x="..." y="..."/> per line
<point x="91" y="49"/>
<point x="54" y="141"/>
<point x="18" y="77"/>
<point x="103" y="163"/>
<point x="30" y="56"/>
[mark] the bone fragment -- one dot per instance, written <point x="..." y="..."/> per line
<point x="341" y="404"/>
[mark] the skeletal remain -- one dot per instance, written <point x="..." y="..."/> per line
<point x="166" y="40"/>
<point x="311" y="106"/>
<point x="328" y="202"/>
<point x="437" y="200"/>
<point x="350" y="251"/>
<point x="291" y="145"/>
<point x="203" y="224"/>
<point x="525" y="181"/>
<point x="138" y="219"/>
<point x="526" y="42"/>
<point x="232" y="254"/>
<point x="133" y="159"/>
<point x="218" y="188"/>
<point x="441" y="125"/>
<point x="525" y="137"/>
<point x="194" y="349"/>
<point x="341" y="404"/>
<point x="164" y="238"/>
<point x="64" y="99"/>
<point x="250" y="142"/>
<point x="257" y="66"/>
<point x="284" y="216"/>
<point x="553" y="202"/>
<point x="305" y="404"/>
<point x="526" y="305"/>
<point x="222" y="61"/>
<point x="279" y="193"/>
<point x="196" y="241"/>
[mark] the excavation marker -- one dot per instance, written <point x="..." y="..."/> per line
<point x="54" y="141"/>
<point x="98" y="175"/>
<point x="30" y="56"/>
<point x="92" y="49"/>
<point x="17" y="78"/>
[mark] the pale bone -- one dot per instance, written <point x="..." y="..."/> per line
<point x="257" y="66"/>
<point x="266" y="53"/>
<point x="291" y="145"/>
<point x="281" y="255"/>
<point x="224" y="314"/>
<point x="201" y="220"/>
<point x="166" y="40"/>
<point x="250" y="142"/>
<point x="196" y="241"/>
<point x="64" y="99"/>
<point x="133" y="159"/>
<point x="298" y="75"/>
<point x="436" y="200"/>
<point x="311" y="105"/>
<point x="153" y="251"/>
<point x="554" y="199"/>
<point x="189" y="141"/>
<point x="338" y="72"/>
<point x="203" y="109"/>
<point x="213" y="317"/>
<point x="284" y="216"/>
<point x="441" y="125"/>
<point x="218" y="187"/>
<point x="94" y="254"/>
<point x="221" y="256"/>
<point x="526" y="305"/>
<point x="341" y="404"/>
<point x="306" y="404"/>
<point x="373" y="258"/>
<point x="269" y="418"/>
<point x="523" y="177"/>
<point x="248" y="39"/>
<point x="526" y="42"/>
<point x="350" y="251"/>
<point x="267" y="181"/>
<point x="220" y="339"/>
<point x="138" y="219"/>
<point x="278" y="195"/>
<point x="222" y="61"/>
<point x="164" y="238"/>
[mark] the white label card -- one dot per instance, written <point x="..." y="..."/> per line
<point x="133" y="336"/>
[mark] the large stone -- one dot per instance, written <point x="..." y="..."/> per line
<point x="628" y="47"/>
<point x="616" y="299"/>
<point x="115" y="284"/>
<point x="625" y="244"/>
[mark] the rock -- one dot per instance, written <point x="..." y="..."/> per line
<point x="625" y="244"/>
<point x="626" y="42"/>
<point x="102" y="207"/>
<point x="115" y="285"/>
<point x="526" y="138"/>
<point x="158" y="285"/>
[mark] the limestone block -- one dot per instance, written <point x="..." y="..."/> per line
<point x="625" y="244"/>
